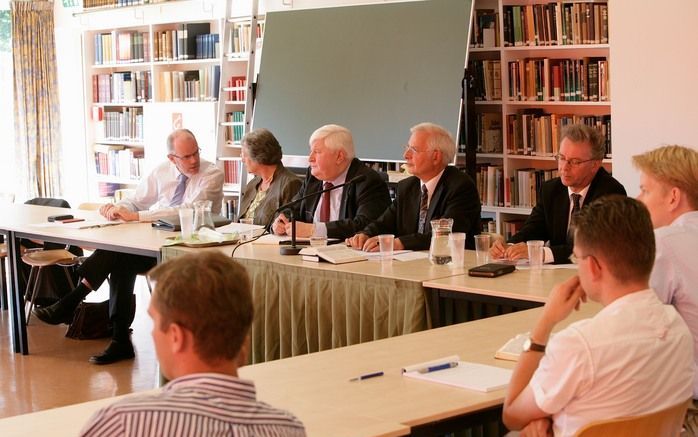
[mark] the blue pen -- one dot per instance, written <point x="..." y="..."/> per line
<point x="438" y="367"/>
<point x="367" y="376"/>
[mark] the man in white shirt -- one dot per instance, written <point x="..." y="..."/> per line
<point x="634" y="357"/>
<point x="669" y="189"/>
<point x="200" y="348"/>
<point x="342" y="212"/>
<point x="185" y="178"/>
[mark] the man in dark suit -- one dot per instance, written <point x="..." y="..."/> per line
<point x="582" y="179"/>
<point x="339" y="213"/>
<point x="435" y="190"/>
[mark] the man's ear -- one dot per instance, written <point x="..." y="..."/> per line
<point x="244" y="352"/>
<point x="171" y="158"/>
<point x="597" y="268"/>
<point x="178" y="337"/>
<point x="674" y="198"/>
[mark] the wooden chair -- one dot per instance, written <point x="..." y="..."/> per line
<point x="40" y="259"/>
<point x="667" y="422"/>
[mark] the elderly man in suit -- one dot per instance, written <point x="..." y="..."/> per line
<point x="582" y="179"/>
<point x="435" y="190"/>
<point x="337" y="213"/>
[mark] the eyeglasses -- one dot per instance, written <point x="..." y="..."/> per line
<point x="574" y="162"/>
<point x="574" y="259"/>
<point x="188" y="157"/>
<point x="412" y="149"/>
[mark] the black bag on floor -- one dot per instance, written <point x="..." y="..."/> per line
<point x="91" y="320"/>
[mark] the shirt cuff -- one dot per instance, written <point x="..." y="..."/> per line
<point x="320" y="230"/>
<point x="548" y="255"/>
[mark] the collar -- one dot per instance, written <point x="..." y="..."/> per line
<point x="629" y="299"/>
<point x="341" y="178"/>
<point x="214" y="383"/>
<point x="431" y="183"/>
<point x="582" y="193"/>
<point x="685" y="218"/>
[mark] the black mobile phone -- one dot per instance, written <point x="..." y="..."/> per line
<point x="491" y="270"/>
<point x="59" y="217"/>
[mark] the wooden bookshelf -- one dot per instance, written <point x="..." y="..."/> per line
<point x="530" y="80"/>
<point x="143" y="80"/>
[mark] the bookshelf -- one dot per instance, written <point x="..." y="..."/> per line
<point x="536" y="66"/>
<point x="242" y="42"/>
<point x="148" y="69"/>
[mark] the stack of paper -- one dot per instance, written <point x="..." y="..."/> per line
<point x="471" y="376"/>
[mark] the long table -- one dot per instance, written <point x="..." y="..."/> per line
<point x="307" y="307"/>
<point x="19" y="221"/>
<point x="317" y="389"/>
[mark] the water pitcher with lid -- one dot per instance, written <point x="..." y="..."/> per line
<point x="440" y="250"/>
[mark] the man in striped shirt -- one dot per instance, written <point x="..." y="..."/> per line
<point x="202" y="311"/>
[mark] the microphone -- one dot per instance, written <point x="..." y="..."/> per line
<point x="293" y="249"/>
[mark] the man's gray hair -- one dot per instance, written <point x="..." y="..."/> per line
<point x="438" y="139"/>
<point x="177" y="133"/>
<point x="335" y="137"/>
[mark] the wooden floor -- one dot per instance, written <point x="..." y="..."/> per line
<point x="57" y="372"/>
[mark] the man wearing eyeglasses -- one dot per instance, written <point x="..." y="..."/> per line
<point x="581" y="180"/>
<point x="435" y="190"/>
<point x="185" y="178"/>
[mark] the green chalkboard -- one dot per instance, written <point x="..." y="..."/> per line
<point x="377" y="69"/>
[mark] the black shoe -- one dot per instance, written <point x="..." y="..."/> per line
<point x="116" y="351"/>
<point x="55" y="314"/>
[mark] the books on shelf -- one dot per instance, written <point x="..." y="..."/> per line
<point x="488" y="132"/>
<point x="511" y="226"/>
<point x="485" y="29"/>
<point x="532" y="132"/>
<point x="568" y="80"/>
<point x="240" y="37"/>
<point x="189" y="86"/>
<point x="186" y="41"/>
<point x="231" y="172"/>
<point x="118" y="47"/>
<point x="487" y="75"/>
<point x="555" y="23"/>
<point x="118" y="161"/>
<point x="521" y="190"/>
<point x="125" y="124"/>
<point x="122" y="87"/>
<point x="87" y="4"/>
<point x="234" y="132"/>
<point x="237" y="86"/>
<point x="336" y="254"/>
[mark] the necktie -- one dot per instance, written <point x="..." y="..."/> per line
<point x="325" y="209"/>
<point x="179" y="191"/>
<point x="423" y="209"/>
<point x="576" y="207"/>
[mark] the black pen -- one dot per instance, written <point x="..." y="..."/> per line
<point x="367" y="376"/>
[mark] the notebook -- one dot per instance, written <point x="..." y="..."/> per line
<point x="471" y="376"/>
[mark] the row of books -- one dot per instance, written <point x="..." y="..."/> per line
<point x="107" y="189"/>
<point x="189" y="86"/>
<point x="510" y="227"/>
<point x="556" y="23"/>
<point x="485" y="29"/>
<point x="117" y="161"/>
<point x="123" y="87"/>
<point x="488" y="132"/>
<point x="87" y="4"/>
<point x="519" y="190"/>
<point x="239" y="94"/>
<point x="121" y="47"/>
<point x="533" y="132"/>
<point x="231" y="172"/>
<point x="545" y="79"/>
<point x="487" y="79"/>
<point x="229" y="209"/>
<point x="124" y="125"/>
<point x="234" y="133"/>
<point x="187" y="41"/>
<point x="240" y="36"/>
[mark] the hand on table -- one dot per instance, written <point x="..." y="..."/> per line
<point x="513" y="252"/>
<point x="279" y="226"/>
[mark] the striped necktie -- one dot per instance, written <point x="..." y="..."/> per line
<point x="179" y="191"/>
<point x="576" y="207"/>
<point x="423" y="209"/>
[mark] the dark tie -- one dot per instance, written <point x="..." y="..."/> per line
<point x="423" y="209"/>
<point x="179" y="191"/>
<point x="576" y="207"/>
<point x="325" y="210"/>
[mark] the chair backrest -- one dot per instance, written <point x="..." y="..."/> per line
<point x="667" y="422"/>
<point x="48" y="201"/>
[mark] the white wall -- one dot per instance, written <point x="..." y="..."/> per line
<point x="654" y="74"/>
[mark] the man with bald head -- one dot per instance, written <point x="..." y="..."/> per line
<point x="184" y="178"/>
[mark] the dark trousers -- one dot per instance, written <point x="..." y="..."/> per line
<point x="122" y="270"/>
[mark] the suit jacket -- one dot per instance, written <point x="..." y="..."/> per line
<point x="362" y="202"/>
<point x="549" y="218"/>
<point x="455" y="197"/>
<point x="284" y="186"/>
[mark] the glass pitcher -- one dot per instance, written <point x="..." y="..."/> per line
<point x="202" y="215"/>
<point x="440" y="250"/>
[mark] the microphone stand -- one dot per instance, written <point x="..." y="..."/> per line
<point x="289" y="250"/>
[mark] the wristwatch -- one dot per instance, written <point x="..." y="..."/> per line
<point x="529" y="345"/>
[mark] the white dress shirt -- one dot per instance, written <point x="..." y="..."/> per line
<point x="547" y="252"/>
<point x="320" y="228"/>
<point x="154" y="194"/>
<point x="675" y="274"/>
<point x="634" y="357"/>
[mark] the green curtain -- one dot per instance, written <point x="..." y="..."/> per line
<point x="37" y="111"/>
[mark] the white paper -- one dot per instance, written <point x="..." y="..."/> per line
<point x="471" y="376"/>
<point x="241" y="228"/>
<point x="411" y="256"/>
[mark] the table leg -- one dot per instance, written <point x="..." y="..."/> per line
<point x="19" y="325"/>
